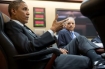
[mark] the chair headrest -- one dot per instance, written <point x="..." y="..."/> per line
<point x="5" y="18"/>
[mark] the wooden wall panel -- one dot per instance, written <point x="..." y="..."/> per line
<point x="4" y="8"/>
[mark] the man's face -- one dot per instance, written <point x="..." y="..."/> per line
<point x="22" y="13"/>
<point x="70" y="25"/>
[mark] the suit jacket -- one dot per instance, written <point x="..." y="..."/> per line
<point x="64" y="37"/>
<point x="26" y="41"/>
<point x="96" y="40"/>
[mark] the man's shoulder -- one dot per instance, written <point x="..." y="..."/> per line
<point x="11" y="24"/>
<point x="62" y="31"/>
<point x="10" y="21"/>
<point x="76" y="33"/>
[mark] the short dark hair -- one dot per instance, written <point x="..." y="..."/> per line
<point x="14" y="5"/>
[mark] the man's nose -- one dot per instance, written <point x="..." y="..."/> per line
<point x="28" y="13"/>
<point x="71" y="24"/>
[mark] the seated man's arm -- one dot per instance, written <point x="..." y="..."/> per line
<point x="61" y="40"/>
<point x="24" y="42"/>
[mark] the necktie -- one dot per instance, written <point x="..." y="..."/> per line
<point x="72" y="35"/>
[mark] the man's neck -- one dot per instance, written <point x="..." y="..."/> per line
<point x="18" y="22"/>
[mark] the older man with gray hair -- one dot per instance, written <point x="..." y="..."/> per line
<point x="67" y="34"/>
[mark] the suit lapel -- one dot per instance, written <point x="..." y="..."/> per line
<point x="68" y="32"/>
<point x="30" y="32"/>
<point x="75" y="34"/>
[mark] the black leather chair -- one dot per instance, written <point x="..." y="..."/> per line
<point x="95" y="11"/>
<point x="22" y="61"/>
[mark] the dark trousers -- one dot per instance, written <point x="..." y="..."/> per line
<point x="80" y="45"/>
<point x="74" y="59"/>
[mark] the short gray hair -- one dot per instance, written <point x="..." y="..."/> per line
<point x="70" y="18"/>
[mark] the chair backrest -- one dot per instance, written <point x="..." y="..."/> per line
<point x="6" y="46"/>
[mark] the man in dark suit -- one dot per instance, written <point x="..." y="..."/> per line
<point x="96" y="39"/>
<point x="25" y="41"/>
<point x="67" y="34"/>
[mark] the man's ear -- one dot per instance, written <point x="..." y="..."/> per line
<point x="13" y="11"/>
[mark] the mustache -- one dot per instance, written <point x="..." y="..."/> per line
<point x="71" y="27"/>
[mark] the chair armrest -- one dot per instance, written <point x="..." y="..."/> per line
<point x="39" y="53"/>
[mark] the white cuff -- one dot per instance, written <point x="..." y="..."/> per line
<point x="51" y="32"/>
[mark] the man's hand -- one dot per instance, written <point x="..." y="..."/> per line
<point x="64" y="51"/>
<point x="57" y="25"/>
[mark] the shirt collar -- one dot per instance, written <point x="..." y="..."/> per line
<point x="72" y="31"/>
<point x="18" y="22"/>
